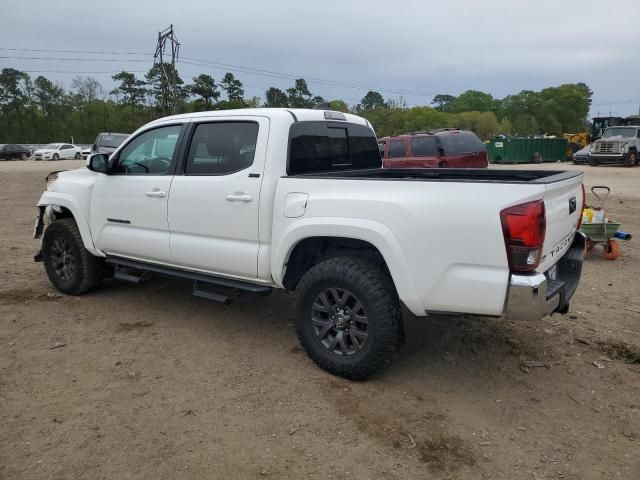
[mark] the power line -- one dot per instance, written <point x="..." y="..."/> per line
<point x="112" y="72"/>
<point x="57" y="59"/>
<point x="91" y="52"/>
<point x="218" y="65"/>
<point x="258" y="71"/>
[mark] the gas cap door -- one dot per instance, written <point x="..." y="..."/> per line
<point x="295" y="204"/>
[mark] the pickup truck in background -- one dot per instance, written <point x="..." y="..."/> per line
<point x="105" y="142"/>
<point x="255" y="199"/>
<point x="440" y="148"/>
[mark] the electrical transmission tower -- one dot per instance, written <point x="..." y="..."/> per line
<point x="167" y="45"/>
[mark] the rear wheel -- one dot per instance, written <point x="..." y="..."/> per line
<point x="70" y="267"/>
<point x="347" y="317"/>
<point x="23" y="156"/>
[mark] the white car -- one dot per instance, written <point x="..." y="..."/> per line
<point x="58" y="151"/>
<point x="256" y="199"/>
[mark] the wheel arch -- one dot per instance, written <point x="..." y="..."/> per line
<point x="59" y="205"/>
<point x="310" y="241"/>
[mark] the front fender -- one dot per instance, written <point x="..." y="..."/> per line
<point x="69" y="202"/>
<point x="370" y="231"/>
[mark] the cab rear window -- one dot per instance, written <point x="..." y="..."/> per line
<point x="331" y="146"/>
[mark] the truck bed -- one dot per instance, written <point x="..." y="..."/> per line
<point x="449" y="175"/>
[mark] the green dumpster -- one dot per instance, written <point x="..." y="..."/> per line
<point x="527" y="150"/>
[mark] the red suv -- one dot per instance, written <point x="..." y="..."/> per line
<point x="444" y="148"/>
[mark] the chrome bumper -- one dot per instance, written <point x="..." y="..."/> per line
<point x="532" y="297"/>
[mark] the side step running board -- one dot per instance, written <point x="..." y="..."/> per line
<point x="228" y="289"/>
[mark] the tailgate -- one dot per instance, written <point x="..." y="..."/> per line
<point x="563" y="206"/>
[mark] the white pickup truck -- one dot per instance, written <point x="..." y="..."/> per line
<point x="255" y="199"/>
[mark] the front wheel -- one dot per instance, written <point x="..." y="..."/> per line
<point x="632" y="159"/>
<point x="56" y="156"/>
<point x="70" y="267"/>
<point x="78" y="156"/>
<point x="348" y="317"/>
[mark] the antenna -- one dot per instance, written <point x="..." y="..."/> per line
<point x="168" y="80"/>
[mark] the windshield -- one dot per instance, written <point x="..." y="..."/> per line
<point x="51" y="146"/>
<point x="112" y="141"/>
<point x="620" y="132"/>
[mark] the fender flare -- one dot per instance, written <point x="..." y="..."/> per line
<point x="375" y="233"/>
<point x="53" y="199"/>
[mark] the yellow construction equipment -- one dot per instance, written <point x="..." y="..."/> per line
<point x="576" y="141"/>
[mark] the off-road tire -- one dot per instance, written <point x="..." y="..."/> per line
<point x="632" y="159"/>
<point x="88" y="268"/>
<point x="375" y="290"/>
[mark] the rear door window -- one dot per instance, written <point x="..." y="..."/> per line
<point x="327" y="146"/>
<point x="424" y="147"/>
<point x="397" y="149"/>
<point x="222" y="148"/>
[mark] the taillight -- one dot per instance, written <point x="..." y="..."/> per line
<point x="584" y="200"/>
<point x="524" y="227"/>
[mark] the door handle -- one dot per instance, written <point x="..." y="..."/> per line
<point x="238" y="197"/>
<point x="156" y="192"/>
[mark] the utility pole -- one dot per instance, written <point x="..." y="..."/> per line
<point x="167" y="45"/>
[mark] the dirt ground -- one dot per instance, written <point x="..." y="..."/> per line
<point x="149" y="382"/>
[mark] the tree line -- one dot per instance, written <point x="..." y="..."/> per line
<point x="39" y="110"/>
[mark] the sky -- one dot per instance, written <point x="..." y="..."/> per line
<point x="407" y="48"/>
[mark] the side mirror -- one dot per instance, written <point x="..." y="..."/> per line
<point x="98" y="163"/>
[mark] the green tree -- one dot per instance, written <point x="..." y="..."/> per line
<point x="474" y="101"/>
<point x="339" y="106"/>
<point x="483" y="124"/>
<point x="276" y="98"/>
<point x="424" y="118"/>
<point x="15" y="91"/>
<point x="443" y="103"/>
<point x="160" y="79"/>
<point x="47" y="95"/>
<point x="371" y="101"/>
<point x="131" y="92"/>
<point x="205" y="89"/>
<point x="233" y="87"/>
<point x="299" y="96"/>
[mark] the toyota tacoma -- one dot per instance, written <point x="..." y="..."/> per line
<point x="258" y="199"/>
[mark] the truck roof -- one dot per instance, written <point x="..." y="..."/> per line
<point x="297" y="114"/>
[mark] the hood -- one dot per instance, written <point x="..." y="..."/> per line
<point x="71" y="180"/>
<point x="617" y="138"/>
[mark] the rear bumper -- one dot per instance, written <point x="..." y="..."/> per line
<point x="532" y="297"/>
